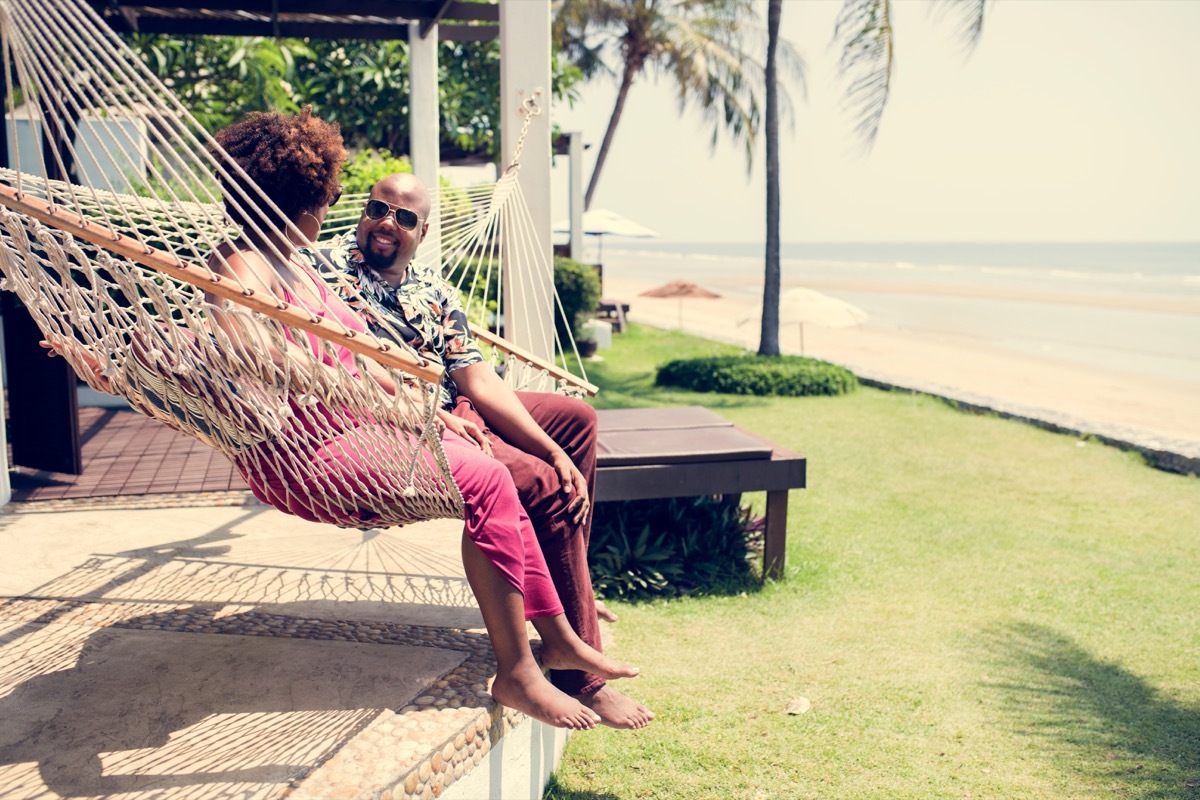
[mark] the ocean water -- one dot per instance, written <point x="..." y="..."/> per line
<point x="1132" y="307"/>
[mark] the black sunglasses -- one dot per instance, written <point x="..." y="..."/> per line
<point x="378" y="209"/>
<point x="336" y="197"/>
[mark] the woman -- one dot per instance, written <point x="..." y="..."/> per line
<point x="295" y="160"/>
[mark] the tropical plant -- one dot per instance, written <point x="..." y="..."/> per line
<point x="367" y="167"/>
<point x="768" y="343"/>
<point x="865" y="36"/>
<point x="220" y="78"/>
<point x="863" y="31"/>
<point x="641" y="549"/>
<point x="361" y="85"/>
<point x="706" y="47"/>
<point x="578" y="288"/>
<point x="787" y="376"/>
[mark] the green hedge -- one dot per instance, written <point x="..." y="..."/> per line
<point x="578" y="287"/>
<point x="790" y="376"/>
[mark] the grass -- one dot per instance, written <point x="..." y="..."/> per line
<point x="974" y="608"/>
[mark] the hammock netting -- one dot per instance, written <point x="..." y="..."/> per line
<point x="120" y="267"/>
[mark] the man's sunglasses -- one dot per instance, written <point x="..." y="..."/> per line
<point x="378" y="209"/>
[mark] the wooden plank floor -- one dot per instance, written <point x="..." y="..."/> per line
<point x="126" y="454"/>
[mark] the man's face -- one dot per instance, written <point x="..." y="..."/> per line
<point x="385" y="243"/>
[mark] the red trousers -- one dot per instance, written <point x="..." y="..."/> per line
<point x="571" y="423"/>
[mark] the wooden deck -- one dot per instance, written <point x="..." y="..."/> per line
<point x="127" y="454"/>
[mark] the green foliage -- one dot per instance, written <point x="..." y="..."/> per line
<point x="578" y="288"/>
<point x="653" y="548"/>
<point x="221" y="78"/>
<point x="361" y="85"/>
<point x="367" y="167"/>
<point x="789" y="376"/>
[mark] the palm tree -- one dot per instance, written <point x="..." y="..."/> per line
<point x="863" y="32"/>
<point x="768" y="342"/>
<point x="700" y="43"/>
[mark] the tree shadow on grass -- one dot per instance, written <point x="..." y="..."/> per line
<point x="1111" y="726"/>
<point x="556" y="791"/>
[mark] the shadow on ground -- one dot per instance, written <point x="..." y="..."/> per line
<point x="556" y="791"/>
<point x="218" y="665"/>
<point x="1107" y="724"/>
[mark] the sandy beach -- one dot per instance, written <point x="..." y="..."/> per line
<point x="1160" y="412"/>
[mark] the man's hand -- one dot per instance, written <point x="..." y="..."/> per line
<point x="573" y="483"/>
<point x="466" y="429"/>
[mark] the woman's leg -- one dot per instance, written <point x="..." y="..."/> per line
<point x="519" y="682"/>
<point x="508" y="573"/>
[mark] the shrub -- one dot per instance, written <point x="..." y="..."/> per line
<point x="790" y="376"/>
<point x="577" y="285"/>
<point x="578" y="288"/>
<point x="367" y="167"/>
<point x="686" y="545"/>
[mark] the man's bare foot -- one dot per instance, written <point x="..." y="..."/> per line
<point x="615" y="709"/>
<point x="578" y="655"/>
<point x="603" y="612"/>
<point x="526" y="689"/>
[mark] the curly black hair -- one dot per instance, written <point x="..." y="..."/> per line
<point x="294" y="159"/>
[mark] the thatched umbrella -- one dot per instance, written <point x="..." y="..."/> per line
<point x="802" y="307"/>
<point x="680" y="289"/>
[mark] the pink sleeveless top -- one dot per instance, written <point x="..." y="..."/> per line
<point x="329" y="308"/>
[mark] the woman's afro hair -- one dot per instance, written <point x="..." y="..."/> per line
<point x="294" y="159"/>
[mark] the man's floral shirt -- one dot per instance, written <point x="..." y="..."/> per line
<point x="424" y="310"/>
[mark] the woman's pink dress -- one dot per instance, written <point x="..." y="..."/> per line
<point x="333" y="469"/>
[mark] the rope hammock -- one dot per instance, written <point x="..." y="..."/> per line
<point x="115" y="270"/>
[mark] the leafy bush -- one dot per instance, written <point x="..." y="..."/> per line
<point x="790" y="376"/>
<point x="578" y="288"/>
<point x="685" y="545"/>
<point x="367" y="167"/>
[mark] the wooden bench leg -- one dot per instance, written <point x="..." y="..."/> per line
<point x="775" y="535"/>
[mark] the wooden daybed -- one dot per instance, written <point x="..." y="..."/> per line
<point x="649" y="453"/>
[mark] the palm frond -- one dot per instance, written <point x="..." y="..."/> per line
<point x="863" y="32"/>
<point x="970" y="15"/>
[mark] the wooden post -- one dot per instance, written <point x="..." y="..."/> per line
<point x="775" y="535"/>
<point x="424" y="124"/>
<point x="525" y="76"/>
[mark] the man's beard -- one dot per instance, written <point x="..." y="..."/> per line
<point x="378" y="261"/>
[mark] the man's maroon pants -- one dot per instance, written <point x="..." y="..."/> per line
<point x="571" y="423"/>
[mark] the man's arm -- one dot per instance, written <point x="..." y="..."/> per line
<point x="506" y="415"/>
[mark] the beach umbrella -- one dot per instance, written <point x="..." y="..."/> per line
<point x="682" y="290"/>
<point x="800" y="307"/>
<point x="601" y="222"/>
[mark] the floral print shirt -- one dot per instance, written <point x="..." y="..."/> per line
<point x="425" y="310"/>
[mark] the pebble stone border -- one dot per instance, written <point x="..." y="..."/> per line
<point x="411" y="753"/>
<point x="136" y="502"/>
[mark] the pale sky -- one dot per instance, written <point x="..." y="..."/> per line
<point x="1074" y="120"/>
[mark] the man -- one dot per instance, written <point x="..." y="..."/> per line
<point x="548" y="442"/>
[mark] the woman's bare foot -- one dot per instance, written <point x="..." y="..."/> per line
<point x="526" y="689"/>
<point x="575" y="654"/>
<point x="615" y="709"/>
<point x="603" y="612"/>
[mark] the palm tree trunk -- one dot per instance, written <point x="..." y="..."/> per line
<point x="622" y="93"/>
<point x="768" y="343"/>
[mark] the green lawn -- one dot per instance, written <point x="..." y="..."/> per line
<point x="975" y="608"/>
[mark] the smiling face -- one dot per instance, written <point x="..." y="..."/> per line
<point x="386" y="246"/>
